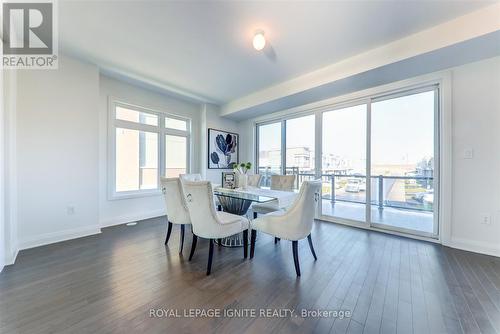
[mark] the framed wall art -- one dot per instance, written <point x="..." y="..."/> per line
<point x="223" y="149"/>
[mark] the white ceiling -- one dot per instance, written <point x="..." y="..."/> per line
<point x="205" y="48"/>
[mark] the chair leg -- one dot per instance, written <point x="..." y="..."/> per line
<point x="169" y="231"/>
<point x="210" y="255"/>
<point x="193" y="246"/>
<point x="311" y="247"/>
<point x="296" y="256"/>
<point x="276" y="239"/>
<point x="245" y="243"/>
<point x="253" y="236"/>
<point x="182" y="239"/>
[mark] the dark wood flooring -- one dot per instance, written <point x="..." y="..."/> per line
<point x="109" y="282"/>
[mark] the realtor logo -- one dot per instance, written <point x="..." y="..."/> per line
<point x="29" y="39"/>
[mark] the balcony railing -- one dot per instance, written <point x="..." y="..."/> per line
<point x="403" y="192"/>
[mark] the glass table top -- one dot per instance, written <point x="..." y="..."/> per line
<point x="243" y="195"/>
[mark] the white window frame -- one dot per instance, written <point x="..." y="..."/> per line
<point x="161" y="132"/>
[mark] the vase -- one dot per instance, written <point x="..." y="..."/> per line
<point x="242" y="181"/>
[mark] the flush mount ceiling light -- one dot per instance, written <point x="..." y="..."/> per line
<point x="259" y="40"/>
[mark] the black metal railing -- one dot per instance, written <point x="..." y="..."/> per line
<point x="417" y="187"/>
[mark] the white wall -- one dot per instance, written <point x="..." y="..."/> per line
<point x="10" y="166"/>
<point x="475" y="109"/>
<point x="211" y="119"/>
<point x="3" y="196"/>
<point x="57" y="153"/>
<point x="476" y="182"/>
<point x="124" y="210"/>
<point x="247" y="133"/>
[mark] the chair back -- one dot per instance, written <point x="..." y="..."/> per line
<point x="282" y="182"/>
<point x="300" y="215"/>
<point x="190" y="177"/>
<point x="177" y="210"/>
<point x="254" y="180"/>
<point x="200" y="203"/>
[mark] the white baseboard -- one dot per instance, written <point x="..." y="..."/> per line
<point x="11" y="259"/>
<point x="487" y="248"/>
<point x="131" y="218"/>
<point x="53" y="237"/>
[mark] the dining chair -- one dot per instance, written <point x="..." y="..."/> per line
<point x="208" y="223"/>
<point x="197" y="177"/>
<point x="283" y="182"/>
<point x="254" y="180"/>
<point x="177" y="211"/>
<point x="190" y="177"/>
<point x="294" y="224"/>
<point x="278" y="182"/>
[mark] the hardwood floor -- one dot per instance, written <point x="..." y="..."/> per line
<point x="109" y="282"/>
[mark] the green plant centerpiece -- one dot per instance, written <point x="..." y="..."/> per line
<point x="242" y="168"/>
<point x="241" y="173"/>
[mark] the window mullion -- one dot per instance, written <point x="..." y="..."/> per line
<point x="368" y="150"/>
<point x="162" y="154"/>
<point x="283" y="147"/>
<point x="175" y="132"/>
<point x="118" y="123"/>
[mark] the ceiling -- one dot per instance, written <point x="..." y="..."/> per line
<point x="205" y="49"/>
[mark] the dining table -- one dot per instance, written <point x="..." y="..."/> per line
<point x="238" y="201"/>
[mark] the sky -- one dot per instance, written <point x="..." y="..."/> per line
<point x="402" y="131"/>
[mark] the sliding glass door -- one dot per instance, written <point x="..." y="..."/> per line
<point x="403" y="151"/>
<point x="378" y="159"/>
<point x="300" y="148"/>
<point x="269" y="151"/>
<point x="344" y="163"/>
<point x="295" y="137"/>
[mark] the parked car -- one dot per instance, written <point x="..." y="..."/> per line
<point x="353" y="185"/>
<point x="424" y="197"/>
<point x="362" y="185"/>
<point x="428" y="197"/>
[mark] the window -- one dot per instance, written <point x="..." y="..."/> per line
<point x="176" y="153"/>
<point x="295" y="137"/>
<point x="378" y="157"/>
<point x="136" y="160"/>
<point x="145" y="145"/>
<point x="178" y="124"/>
<point x="136" y="116"/>
<point x="269" y="155"/>
<point x="344" y="162"/>
<point x="402" y="161"/>
<point x="299" y="145"/>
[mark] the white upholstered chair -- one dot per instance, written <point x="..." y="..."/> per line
<point x="283" y="182"/>
<point x="190" y="177"/>
<point x="294" y="224"/>
<point x="197" y="177"/>
<point x="177" y="211"/>
<point x="207" y="222"/>
<point x="254" y="180"/>
<point x="278" y="182"/>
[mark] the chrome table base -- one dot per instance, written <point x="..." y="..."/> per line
<point x="238" y="207"/>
